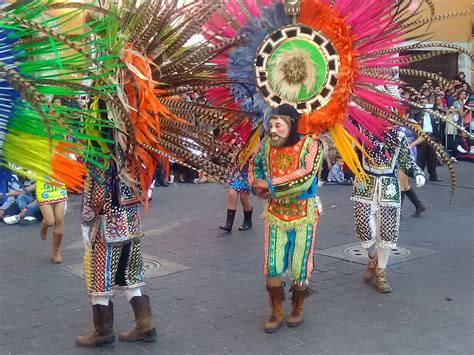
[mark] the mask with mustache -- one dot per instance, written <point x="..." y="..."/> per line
<point x="282" y="128"/>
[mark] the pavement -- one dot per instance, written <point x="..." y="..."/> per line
<point x="209" y="297"/>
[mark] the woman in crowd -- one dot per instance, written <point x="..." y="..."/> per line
<point x="52" y="197"/>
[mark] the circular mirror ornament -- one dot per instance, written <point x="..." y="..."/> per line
<point x="298" y="65"/>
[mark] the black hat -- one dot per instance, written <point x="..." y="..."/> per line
<point x="287" y="110"/>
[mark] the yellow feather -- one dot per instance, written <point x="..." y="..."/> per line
<point x="342" y="140"/>
<point x="249" y="148"/>
<point x="30" y="153"/>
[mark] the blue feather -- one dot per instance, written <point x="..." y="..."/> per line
<point x="241" y="62"/>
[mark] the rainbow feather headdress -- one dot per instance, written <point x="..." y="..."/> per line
<point x="338" y="62"/>
<point x="133" y="58"/>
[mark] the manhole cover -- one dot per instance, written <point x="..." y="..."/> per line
<point x="150" y="266"/>
<point x="358" y="252"/>
<point x="153" y="266"/>
<point x="355" y="253"/>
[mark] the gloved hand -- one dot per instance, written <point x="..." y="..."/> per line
<point x="420" y="180"/>
<point x="85" y="236"/>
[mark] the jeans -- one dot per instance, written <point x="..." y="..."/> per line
<point x="23" y="201"/>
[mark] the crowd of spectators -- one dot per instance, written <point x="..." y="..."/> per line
<point x="18" y="203"/>
<point x="455" y="102"/>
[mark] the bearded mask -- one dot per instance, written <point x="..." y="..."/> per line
<point x="283" y="124"/>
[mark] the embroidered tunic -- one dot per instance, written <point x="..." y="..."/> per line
<point x="114" y="214"/>
<point x="385" y="159"/>
<point x="291" y="174"/>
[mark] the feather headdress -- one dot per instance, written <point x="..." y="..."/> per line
<point x="131" y="56"/>
<point x="351" y="49"/>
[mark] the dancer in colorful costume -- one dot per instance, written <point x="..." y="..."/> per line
<point x="111" y="231"/>
<point x="238" y="187"/>
<point x="405" y="188"/>
<point x="328" y="60"/>
<point x="52" y="199"/>
<point x="377" y="201"/>
<point x="284" y="171"/>
<point x="129" y="58"/>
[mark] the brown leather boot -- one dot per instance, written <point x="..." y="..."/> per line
<point x="144" y="329"/>
<point x="56" y="253"/>
<point x="276" y="297"/>
<point x="43" y="231"/>
<point x="381" y="283"/>
<point x="103" y="323"/>
<point x="297" y="301"/>
<point x="369" y="272"/>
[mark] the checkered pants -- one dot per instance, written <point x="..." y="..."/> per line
<point x="377" y="223"/>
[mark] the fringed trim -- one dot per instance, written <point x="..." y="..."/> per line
<point x="140" y="284"/>
<point x="101" y="294"/>
<point x="365" y="200"/>
<point x="367" y="244"/>
<point x="310" y="218"/>
<point x="299" y="283"/>
<point x="389" y="204"/>
<point x="382" y="244"/>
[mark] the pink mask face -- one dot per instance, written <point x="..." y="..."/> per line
<point x="279" y="131"/>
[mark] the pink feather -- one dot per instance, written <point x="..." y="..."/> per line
<point x="354" y="132"/>
<point x="253" y="8"/>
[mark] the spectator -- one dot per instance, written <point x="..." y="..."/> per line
<point x="25" y="210"/>
<point x="336" y="174"/>
<point x="426" y="155"/>
<point x="459" y="108"/>
<point x="464" y="148"/>
<point x="450" y="97"/>
<point x="440" y="105"/>
<point x="461" y="76"/>
<point x="9" y="200"/>
<point x="465" y="86"/>
<point x="469" y="106"/>
<point x="330" y="154"/>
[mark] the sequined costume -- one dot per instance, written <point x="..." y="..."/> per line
<point x="239" y="180"/>
<point x="377" y="201"/>
<point x="47" y="192"/>
<point x="290" y="214"/>
<point x="114" y="259"/>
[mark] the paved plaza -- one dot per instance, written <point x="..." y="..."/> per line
<point x="208" y="293"/>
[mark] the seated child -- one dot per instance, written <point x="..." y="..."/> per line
<point x="336" y="174"/>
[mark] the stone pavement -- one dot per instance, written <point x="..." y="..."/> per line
<point x="217" y="303"/>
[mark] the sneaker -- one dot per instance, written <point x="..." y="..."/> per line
<point x="27" y="221"/>
<point x="11" y="219"/>
<point x="454" y="160"/>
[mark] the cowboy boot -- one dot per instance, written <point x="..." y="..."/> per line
<point x="230" y="221"/>
<point x="369" y="271"/>
<point x="56" y="253"/>
<point x="103" y="317"/>
<point x="144" y="329"/>
<point x="247" y="224"/>
<point x="381" y="283"/>
<point x="43" y="231"/>
<point x="411" y="194"/>
<point x="276" y="298"/>
<point x="297" y="301"/>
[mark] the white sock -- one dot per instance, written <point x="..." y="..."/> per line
<point x="372" y="250"/>
<point x="132" y="292"/>
<point x="102" y="300"/>
<point x="382" y="257"/>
